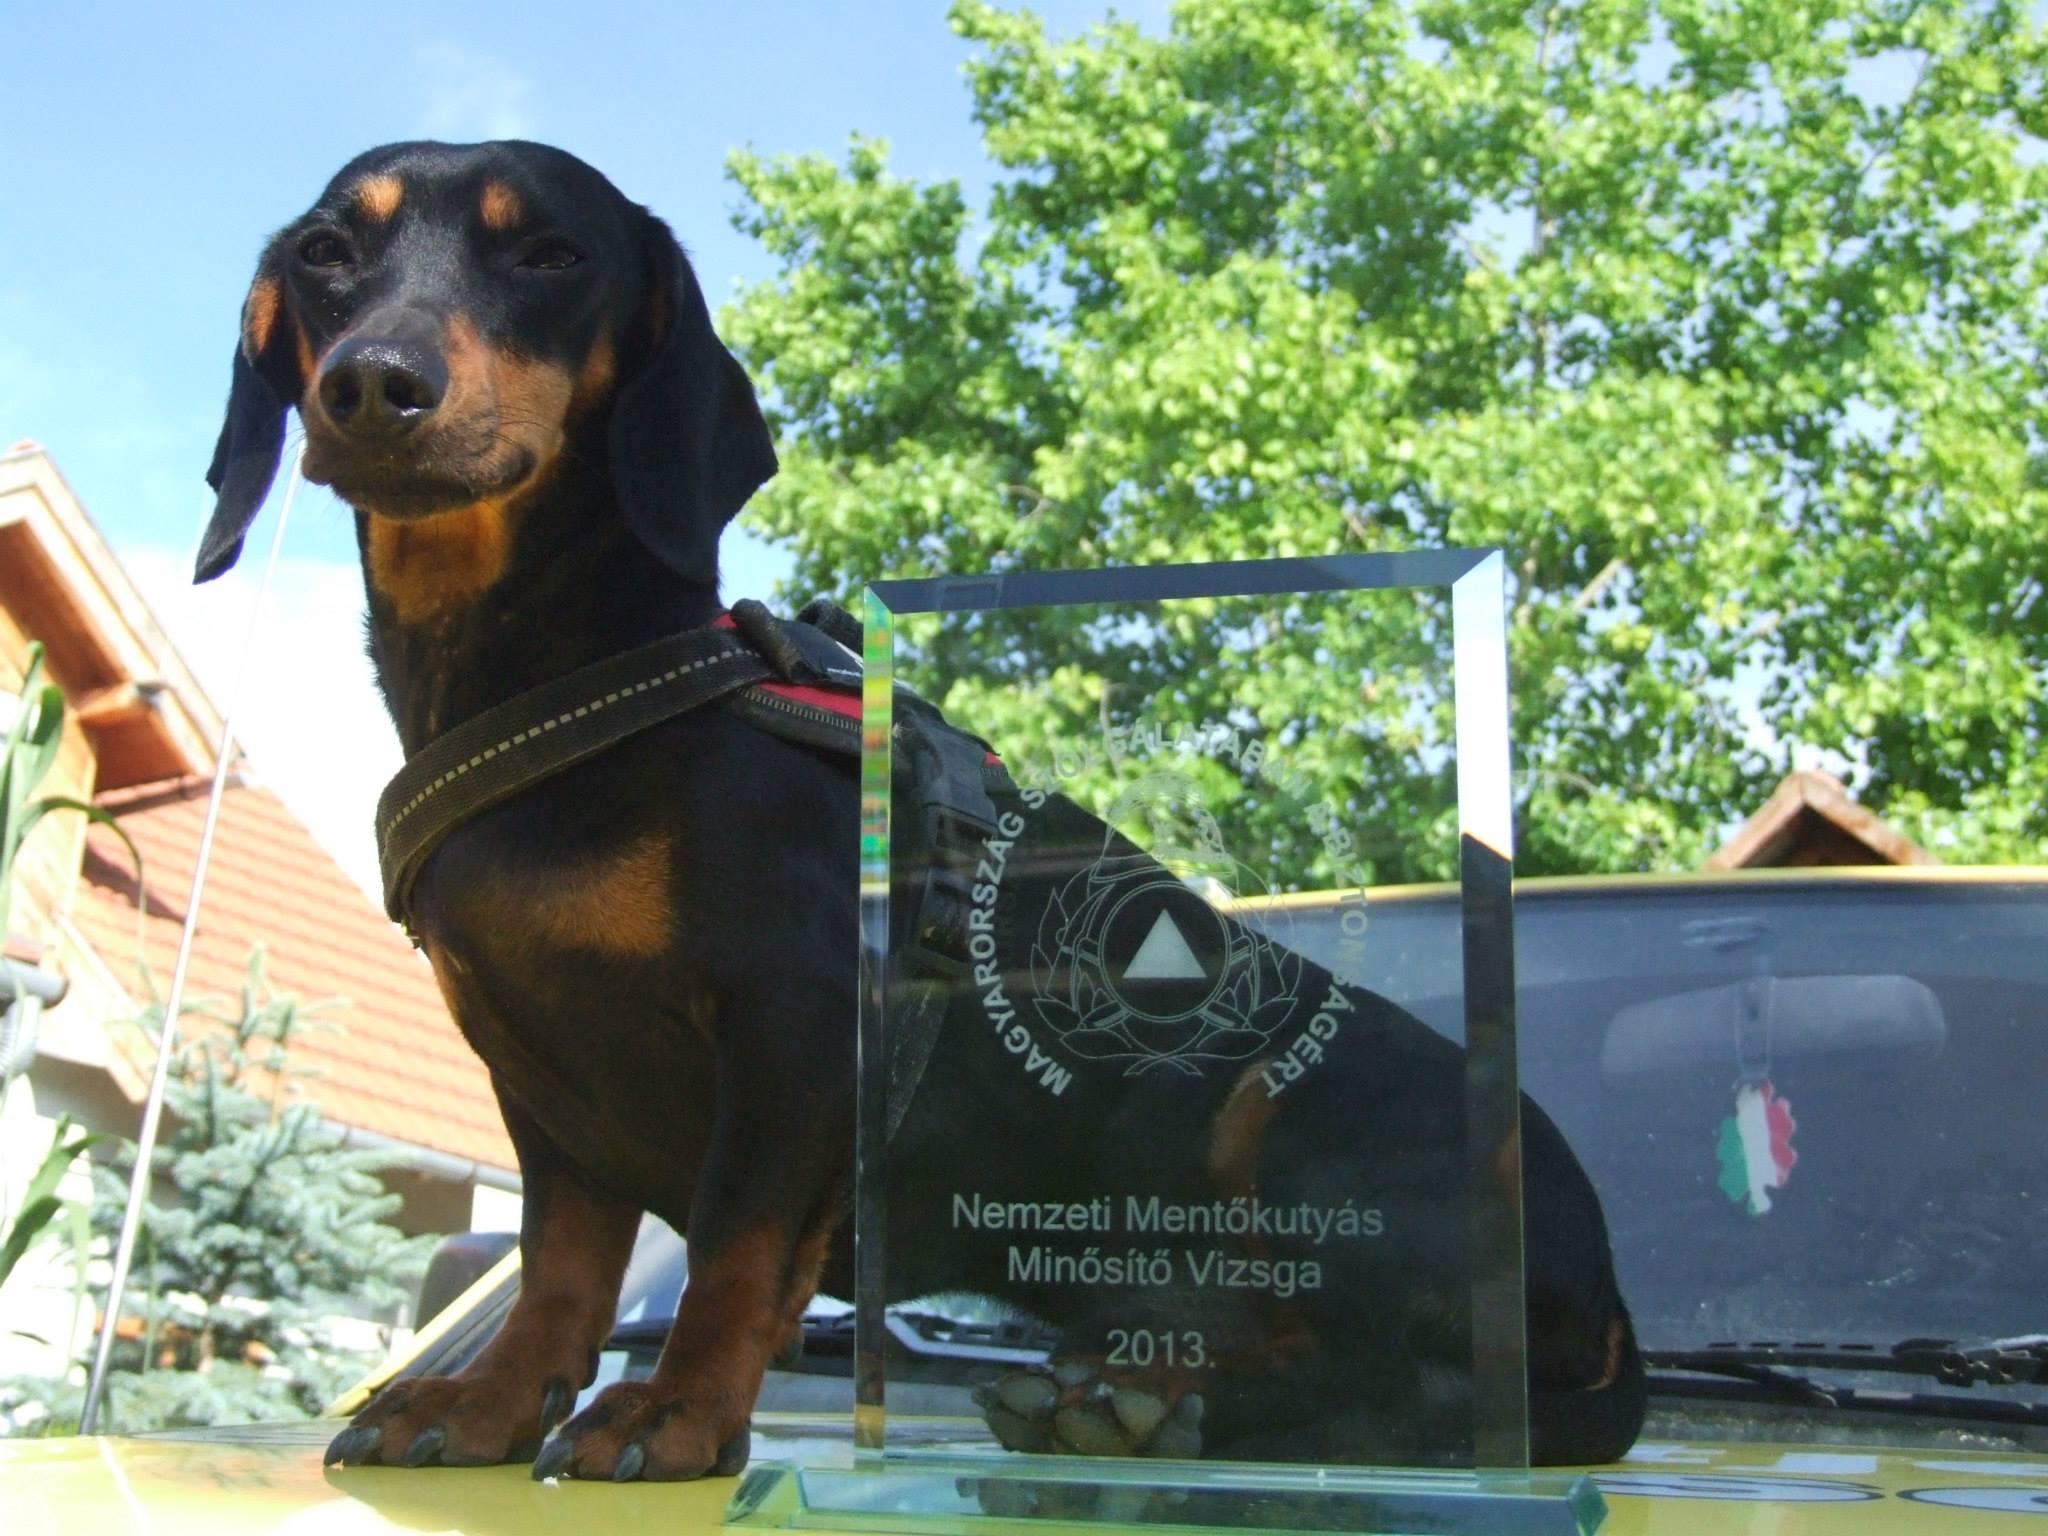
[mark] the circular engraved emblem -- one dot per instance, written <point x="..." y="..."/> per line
<point x="1134" y="960"/>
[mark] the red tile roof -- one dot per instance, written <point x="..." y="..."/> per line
<point x="392" y="1061"/>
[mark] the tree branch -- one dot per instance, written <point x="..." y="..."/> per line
<point x="1589" y="594"/>
<point x="1545" y="227"/>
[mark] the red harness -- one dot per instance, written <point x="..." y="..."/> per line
<point x="841" y="701"/>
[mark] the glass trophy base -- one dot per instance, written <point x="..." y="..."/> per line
<point x="916" y="1494"/>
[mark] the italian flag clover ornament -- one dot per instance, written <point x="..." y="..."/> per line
<point x="1755" y="1149"/>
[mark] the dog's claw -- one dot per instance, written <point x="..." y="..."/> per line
<point x="632" y="1460"/>
<point x="554" y="1458"/>
<point x="555" y="1404"/>
<point x="734" y="1454"/>
<point x="352" y="1444"/>
<point x="426" y="1445"/>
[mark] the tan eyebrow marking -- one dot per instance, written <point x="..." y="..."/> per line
<point x="501" y="206"/>
<point x="379" y="196"/>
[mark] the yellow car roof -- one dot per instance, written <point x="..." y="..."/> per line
<point x="232" y="1482"/>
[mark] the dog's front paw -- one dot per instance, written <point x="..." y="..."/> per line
<point x="1072" y="1408"/>
<point x="636" y="1429"/>
<point x="452" y="1421"/>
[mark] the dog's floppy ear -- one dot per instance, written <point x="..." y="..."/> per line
<point x="688" y="444"/>
<point x="252" y="437"/>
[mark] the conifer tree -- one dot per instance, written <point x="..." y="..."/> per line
<point x="263" y="1233"/>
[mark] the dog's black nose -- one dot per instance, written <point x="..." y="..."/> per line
<point x="379" y="387"/>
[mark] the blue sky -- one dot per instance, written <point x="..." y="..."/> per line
<point x="146" y="151"/>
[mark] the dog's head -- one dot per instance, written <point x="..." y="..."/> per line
<point x="449" y="319"/>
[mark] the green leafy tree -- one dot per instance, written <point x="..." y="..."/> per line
<point x="262" y="1230"/>
<point x="1722" y="317"/>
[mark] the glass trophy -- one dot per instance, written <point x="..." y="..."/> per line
<point x="1180" y="1201"/>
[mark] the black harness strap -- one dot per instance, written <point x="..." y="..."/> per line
<point x="777" y="675"/>
<point x="494" y="756"/>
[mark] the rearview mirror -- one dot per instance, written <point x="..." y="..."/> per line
<point x="1786" y="1016"/>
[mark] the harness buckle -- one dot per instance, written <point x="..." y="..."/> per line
<point x="954" y="815"/>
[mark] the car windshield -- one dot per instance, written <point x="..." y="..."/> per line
<point x="1899" y="1022"/>
<point x="1902" y="1025"/>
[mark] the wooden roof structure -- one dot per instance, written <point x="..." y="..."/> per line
<point x="1811" y="820"/>
<point x="140" y="739"/>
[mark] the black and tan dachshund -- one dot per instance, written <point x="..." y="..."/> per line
<point x="508" y="370"/>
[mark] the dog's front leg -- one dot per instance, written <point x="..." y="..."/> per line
<point x="771" y="1191"/>
<point x="574" y="1243"/>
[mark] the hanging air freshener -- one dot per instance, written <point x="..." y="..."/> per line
<point x="1756" y="1146"/>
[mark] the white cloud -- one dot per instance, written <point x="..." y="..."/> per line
<point x="309" y="716"/>
<point x="471" y="94"/>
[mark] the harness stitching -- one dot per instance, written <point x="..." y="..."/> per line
<point x="578" y="713"/>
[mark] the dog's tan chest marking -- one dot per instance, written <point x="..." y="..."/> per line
<point x="431" y="566"/>
<point x="617" y="904"/>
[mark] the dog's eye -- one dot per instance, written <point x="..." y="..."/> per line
<point x="551" y="256"/>
<point x="323" y="250"/>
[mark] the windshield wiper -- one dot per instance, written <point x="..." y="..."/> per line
<point x="1763" y="1369"/>
<point x="2016" y="1362"/>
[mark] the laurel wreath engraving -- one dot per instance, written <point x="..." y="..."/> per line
<point x="1075" y="1001"/>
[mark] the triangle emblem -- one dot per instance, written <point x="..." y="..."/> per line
<point x="1165" y="956"/>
